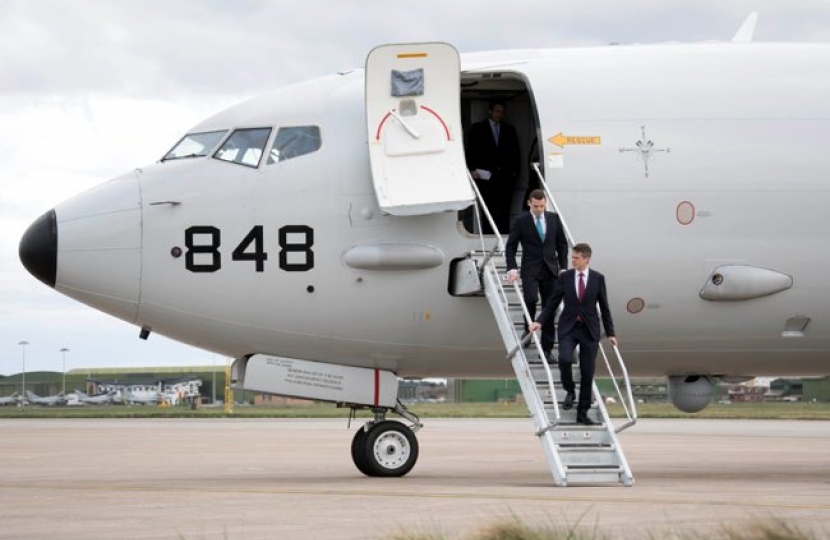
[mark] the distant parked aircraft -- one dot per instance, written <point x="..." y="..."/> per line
<point x="57" y="399"/>
<point x="13" y="399"/>
<point x="99" y="399"/>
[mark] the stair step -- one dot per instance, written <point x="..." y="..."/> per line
<point x="576" y="436"/>
<point x="594" y="457"/>
<point x="594" y="476"/>
<point x="568" y="418"/>
<point x="537" y="371"/>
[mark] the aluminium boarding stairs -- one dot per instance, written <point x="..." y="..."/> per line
<point x="575" y="453"/>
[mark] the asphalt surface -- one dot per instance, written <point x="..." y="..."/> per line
<point x="244" y="479"/>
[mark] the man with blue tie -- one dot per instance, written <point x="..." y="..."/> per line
<point x="494" y="161"/>
<point x="581" y="289"/>
<point x="544" y="256"/>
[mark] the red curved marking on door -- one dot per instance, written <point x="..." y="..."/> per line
<point x="380" y="126"/>
<point x="446" y="129"/>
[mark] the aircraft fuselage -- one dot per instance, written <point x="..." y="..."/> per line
<point x="671" y="161"/>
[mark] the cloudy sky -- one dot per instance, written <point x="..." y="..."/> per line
<point x="90" y="89"/>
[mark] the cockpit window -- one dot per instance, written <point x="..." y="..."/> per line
<point x="244" y="146"/>
<point x="195" y="145"/>
<point x="292" y="142"/>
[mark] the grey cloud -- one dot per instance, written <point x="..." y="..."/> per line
<point x="159" y="48"/>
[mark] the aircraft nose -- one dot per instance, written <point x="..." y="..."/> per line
<point x="39" y="248"/>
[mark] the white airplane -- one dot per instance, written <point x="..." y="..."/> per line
<point x="57" y="399"/>
<point x="313" y="233"/>
<point x="13" y="399"/>
<point x="100" y="399"/>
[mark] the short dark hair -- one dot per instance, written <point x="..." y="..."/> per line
<point x="583" y="249"/>
<point x="537" y="194"/>
<point x="496" y="101"/>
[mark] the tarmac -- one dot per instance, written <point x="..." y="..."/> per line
<point x="246" y="479"/>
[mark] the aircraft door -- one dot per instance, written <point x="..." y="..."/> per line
<point x="413" y="116"/>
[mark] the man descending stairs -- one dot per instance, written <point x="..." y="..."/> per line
<point x="581" y="291"/>
<point x="544" y="254"/>
<point x="576" y="453"/>
<point x="587" y="452"/>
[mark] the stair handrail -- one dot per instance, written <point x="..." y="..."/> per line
<point x="480" y="204"/>
<point x="632" y="418"/>
<point x="554" y="206"/>
<point x="631" y="413"/>
<point x="626" y="477"/>
<point x="487" y="262"/>
<point x="545" y="424"/>
<point x="538" y="344"/>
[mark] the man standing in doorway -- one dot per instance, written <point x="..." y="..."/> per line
<point x="544" y="256"/>
<point x="581" y="289"/>
<point x="494" y="161"/>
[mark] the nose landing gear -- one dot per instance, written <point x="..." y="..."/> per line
<point x="385" y="447"/>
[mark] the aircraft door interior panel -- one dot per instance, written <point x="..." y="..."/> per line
<point x="416" y="145"/>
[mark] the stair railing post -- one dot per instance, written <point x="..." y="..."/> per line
<point x="554" y="206"/>
<point x="499" y="242"/>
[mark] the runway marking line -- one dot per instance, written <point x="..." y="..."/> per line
<point x="426" y="495"/>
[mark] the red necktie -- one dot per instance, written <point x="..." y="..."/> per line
<point x="581" y="291"/>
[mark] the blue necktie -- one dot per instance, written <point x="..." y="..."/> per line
<point x="496" y="133"/>
<point x="540" y="228"/>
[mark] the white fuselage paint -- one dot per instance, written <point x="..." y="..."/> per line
<point x="747" y="128"/>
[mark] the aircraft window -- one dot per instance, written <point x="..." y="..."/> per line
<point x="292" y="142"/>
<point x="244" y="146"/>
<point x="195" y="145"/>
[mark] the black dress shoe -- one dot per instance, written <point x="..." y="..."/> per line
<point x="582" y="418"/>
<point x="568" y="404"/>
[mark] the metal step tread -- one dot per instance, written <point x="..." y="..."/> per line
<point x="573" y="448"/>
<point x="593" y="468"/>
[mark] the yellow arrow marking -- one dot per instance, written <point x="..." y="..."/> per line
<point x="561" y="140"/>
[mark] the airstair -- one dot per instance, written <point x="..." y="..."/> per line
<point x="576" y="453"/>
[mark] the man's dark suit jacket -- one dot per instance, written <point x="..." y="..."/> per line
<point x="503" y="160"/>
<point x="595" y="293"/>
<point x="553" y="254"/>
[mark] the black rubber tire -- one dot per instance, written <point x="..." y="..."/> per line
<point x="390" y="449"/>
<point x="359" y="451"/>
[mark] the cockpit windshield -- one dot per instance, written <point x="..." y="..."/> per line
<point x="244" y="147"/>
<point x="195" y="145"/>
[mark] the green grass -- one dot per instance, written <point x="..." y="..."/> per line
<point x="805" y="411"/>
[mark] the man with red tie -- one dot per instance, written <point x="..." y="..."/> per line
<point x="582" y="290"/>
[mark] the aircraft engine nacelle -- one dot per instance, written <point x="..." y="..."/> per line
<point x="691" y="393"/>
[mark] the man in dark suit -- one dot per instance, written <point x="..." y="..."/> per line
<point x="581" y="289"/>
<point x="494" y="161"/>
<point x="544" y="255"/>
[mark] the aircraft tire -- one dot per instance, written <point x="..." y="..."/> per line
<point x="390" y="449"/>
<point x="359" y="451"/>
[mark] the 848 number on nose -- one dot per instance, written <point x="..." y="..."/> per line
<point x="204" y="256"/>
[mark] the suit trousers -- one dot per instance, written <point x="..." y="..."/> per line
<point x="532" y="287"/>
<point x="588" y="347"/>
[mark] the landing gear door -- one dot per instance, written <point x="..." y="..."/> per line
<point x="413" y="114"/>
